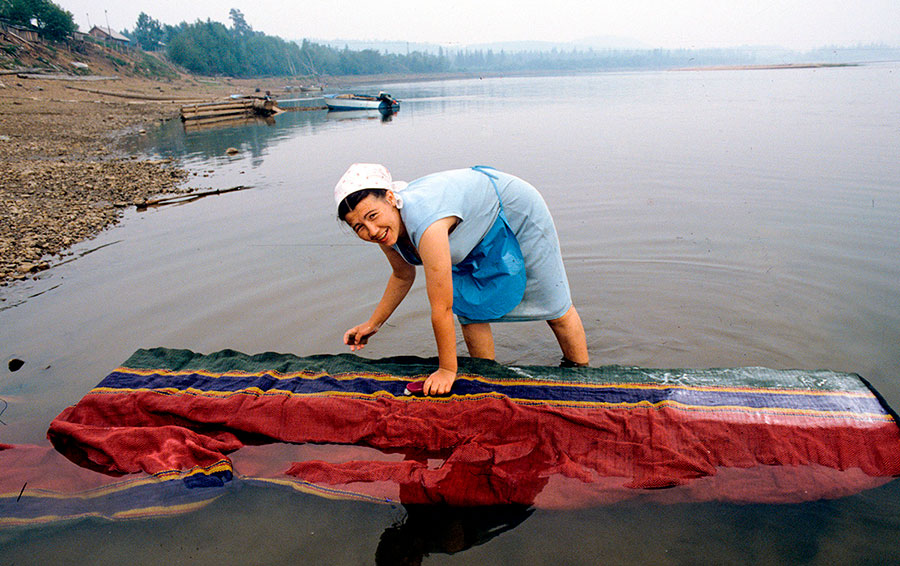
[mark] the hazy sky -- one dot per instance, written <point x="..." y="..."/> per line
<point x="798" y="24"/>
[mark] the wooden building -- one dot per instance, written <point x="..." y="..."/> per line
<point x="109" y="35"/>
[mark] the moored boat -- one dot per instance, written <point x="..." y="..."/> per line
<point x="233" y="106"/>
<point x="383" y="101"/>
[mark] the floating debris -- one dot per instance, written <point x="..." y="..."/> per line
<point x="187" y="197"/>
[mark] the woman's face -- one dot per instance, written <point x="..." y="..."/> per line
<point x="377" y="220"/>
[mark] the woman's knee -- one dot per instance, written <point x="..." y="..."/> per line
<point x="479" y="340"/>
<point x="565" y="320"/>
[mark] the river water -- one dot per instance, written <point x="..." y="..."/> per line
<point x="707" y="219"/>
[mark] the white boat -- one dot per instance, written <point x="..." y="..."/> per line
<point x="383" y="101"/>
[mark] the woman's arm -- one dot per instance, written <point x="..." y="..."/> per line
<point x="434" y="249"/>
<point x="402" y="277"/>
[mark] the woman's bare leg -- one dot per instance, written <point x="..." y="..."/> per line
<point x="479" y="340"/>
<point x="570" y="334"/>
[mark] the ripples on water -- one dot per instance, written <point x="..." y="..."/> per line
<point x="707" y="219"/>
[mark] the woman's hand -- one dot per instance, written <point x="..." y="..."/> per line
<point x="358" y="336"/>
<point x="440" y="382"/>
<point x="401" y="279"/>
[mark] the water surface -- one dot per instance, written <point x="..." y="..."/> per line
<point x="707" y="219"/>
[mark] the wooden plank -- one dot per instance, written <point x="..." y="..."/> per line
<point x="199" y="115"/>
<point x="229" y="108"/>
<point x="60" y="77"/>
<point x="138" y="96"/>
<point x="206" y="107"/>
<point x="17" y="71"/>
<point x="241" y="102"/>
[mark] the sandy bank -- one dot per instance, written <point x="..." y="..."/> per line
<point x="60" y="179"/>
<point x="768" y="67"/>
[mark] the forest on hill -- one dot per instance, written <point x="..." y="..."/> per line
<point x="212" y="48"/>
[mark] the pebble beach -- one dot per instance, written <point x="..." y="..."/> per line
<point x="61" y="178"/>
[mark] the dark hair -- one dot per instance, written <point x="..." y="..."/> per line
<point x="351" y="200"/>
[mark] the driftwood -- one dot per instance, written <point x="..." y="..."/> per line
<point x="64" y="77"/>
<point x="133" y="95"/>
<point x="189" y="197"/>
<point x="17" y="71"/>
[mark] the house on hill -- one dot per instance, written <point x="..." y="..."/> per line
<point x="20" y="33"/>
<point x="107" y="34"/>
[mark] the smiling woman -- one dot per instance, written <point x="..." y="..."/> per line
<point x="373" y="215"/>
<point x="488" y="248"/>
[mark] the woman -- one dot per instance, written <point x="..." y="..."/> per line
<point x="489" y="250"/>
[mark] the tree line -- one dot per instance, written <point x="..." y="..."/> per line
<point x="211" y="48"/>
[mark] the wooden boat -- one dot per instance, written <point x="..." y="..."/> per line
<point x="302" y="103"/>
<point x="383" y="101"/>
<point x="234" y="106"/>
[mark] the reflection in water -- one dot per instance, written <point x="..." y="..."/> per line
<point x="430" y="529"/>
<point x="227" y="122"/>
<point x="203" y="142"/>
<point x="530" y="435"/>
<point x="199" y="142"/>
<point x="384" y="114"/>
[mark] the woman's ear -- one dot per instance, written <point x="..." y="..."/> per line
<point x="394" y="199"/>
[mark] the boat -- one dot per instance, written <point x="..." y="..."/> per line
<point x="233" y="106"/>
<point x="383" y="101"/>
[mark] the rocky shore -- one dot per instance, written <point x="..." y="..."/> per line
<point x="61" y="180"/>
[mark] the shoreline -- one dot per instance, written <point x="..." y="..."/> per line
<point x="769" y="67"/>
<point x="63" y="180"/>
<point x="347" y="81"/>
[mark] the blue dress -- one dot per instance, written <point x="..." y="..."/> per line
<point x="469" y="195"/>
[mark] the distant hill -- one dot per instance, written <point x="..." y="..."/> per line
<point x="393" y="47"/>
<point x="404" y="47"/>
<point x="749" y="54"/>
<point x="598" y="43"/>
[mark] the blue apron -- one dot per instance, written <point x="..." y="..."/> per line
<point x="490" y="281"/>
